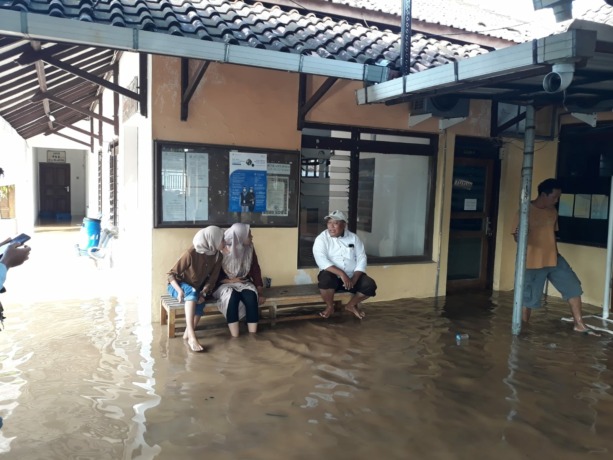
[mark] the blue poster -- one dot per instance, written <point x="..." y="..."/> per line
<point x="247" y="182"/>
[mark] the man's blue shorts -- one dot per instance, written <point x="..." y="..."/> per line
<point x="190" y="294"/>
<point x="561" y="276"/>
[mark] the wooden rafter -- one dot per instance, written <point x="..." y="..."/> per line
<point x="304" y="104"/>
<point x="188" y="88"/>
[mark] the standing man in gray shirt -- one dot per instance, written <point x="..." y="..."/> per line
<point x="341" y="259"/>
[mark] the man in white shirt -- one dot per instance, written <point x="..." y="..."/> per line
<point x="341" y="259"/>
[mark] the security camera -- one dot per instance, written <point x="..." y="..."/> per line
<point x="559" y="79"/>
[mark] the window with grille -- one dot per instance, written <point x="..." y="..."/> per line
<point x="383" y="181"/>
<point x="113" y="188"/>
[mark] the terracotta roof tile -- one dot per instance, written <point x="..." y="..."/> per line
<point x="257" y="26"/>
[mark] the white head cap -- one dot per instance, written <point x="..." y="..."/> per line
<point x="336" y="215"/>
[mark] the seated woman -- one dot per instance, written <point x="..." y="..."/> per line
<point x="240" y="282"/>
<point x="194" y="276"/>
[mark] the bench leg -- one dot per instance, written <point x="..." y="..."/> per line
<point x="163" y="315"/>
<point x="338" y="306"/>
<point x="171" y="323"/>
<point x="272" y="312"/>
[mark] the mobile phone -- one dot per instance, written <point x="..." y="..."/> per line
<point x="21" y="238"/>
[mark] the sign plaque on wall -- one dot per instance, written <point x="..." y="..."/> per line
<point x="56" y="156"/>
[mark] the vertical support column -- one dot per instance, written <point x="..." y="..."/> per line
<point x="405" y="43"/>
<point x="116" y="99"/>
<point x="92" y="136"/>
<point x="100" y="123"/>
<point x="302" y="84"/>
<point x="184" y="87"/>
<point x="522" y="243"/>
<point x="606" y="301"/>
<point x="354" y="177"/>
<point x="143" y="83"/>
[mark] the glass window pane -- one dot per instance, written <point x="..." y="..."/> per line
<point x="397" y="186"/>
<point x="468" y="188"/>
<point x="392" y="190"/>
<point x="466" y="225"/>
<point x="321" y="192"/>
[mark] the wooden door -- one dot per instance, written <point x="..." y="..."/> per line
<point x="470" y="229"/>
<point x="54" y="186"/>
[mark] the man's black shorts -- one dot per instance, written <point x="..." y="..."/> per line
<point x="365" y="285"/>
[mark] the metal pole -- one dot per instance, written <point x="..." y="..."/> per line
<point x="405" y="38"/>
<point x="606" y="303"/>
<point x="522" y="243"/>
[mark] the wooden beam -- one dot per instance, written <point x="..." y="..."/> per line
<point x="302" y="83"/>
<point x="188" y="88"/>
<point x="91" y="77"/>
<point x="42" y="82"/>
<point x="75" y="128"/>
<point x="71" y="138"/>
<point x="116" y="99"/>
<point x="315" y="98"/>
<point x="143" y="83"/>
<point x="59" y="100"/>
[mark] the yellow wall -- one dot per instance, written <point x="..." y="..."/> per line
<point x="244" y="106"/>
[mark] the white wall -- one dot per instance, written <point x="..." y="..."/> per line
<point x="135" y="197"/>
<point x="17" y="162"/>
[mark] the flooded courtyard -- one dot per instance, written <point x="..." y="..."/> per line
<point x="84" y="375"/>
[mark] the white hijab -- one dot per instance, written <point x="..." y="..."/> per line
<point x="208" y="240"/>
<point x="237" y="260"/>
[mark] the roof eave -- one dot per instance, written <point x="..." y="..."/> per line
<point x="570" y="46"/>
<point x="41" y="27"/>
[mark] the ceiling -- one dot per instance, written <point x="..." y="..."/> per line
<point x="27" y="71"/>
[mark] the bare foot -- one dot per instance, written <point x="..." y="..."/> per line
<point x="359" y="314"/>
<point x="327" y="312"/>
<point x="586" y="331"/>
<point x="194" y="345"/>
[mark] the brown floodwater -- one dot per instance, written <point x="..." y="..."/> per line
<point x="91" y="378"/>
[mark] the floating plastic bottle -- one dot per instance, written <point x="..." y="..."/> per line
<point x="459" y="337"/>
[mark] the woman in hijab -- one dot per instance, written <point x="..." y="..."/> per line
<point x="194" y="276"/>
<point x="240" y="282"/>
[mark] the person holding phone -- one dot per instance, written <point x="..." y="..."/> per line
<point x="15" y="254"/>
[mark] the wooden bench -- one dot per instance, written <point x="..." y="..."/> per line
<point x="283" y="303"/>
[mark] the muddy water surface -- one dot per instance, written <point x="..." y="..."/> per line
<point x="91" y="378"/>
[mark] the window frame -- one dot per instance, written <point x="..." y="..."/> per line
<point x="354" y="145"/>
<point x="584" y="231"/>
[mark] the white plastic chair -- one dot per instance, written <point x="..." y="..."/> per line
<point x="103" y="250"/>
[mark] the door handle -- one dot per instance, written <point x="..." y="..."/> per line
<point x="488" y="226"/>
<point x="67" y="188"/>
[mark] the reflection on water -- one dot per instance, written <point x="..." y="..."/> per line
<point x="91" y="379"/>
